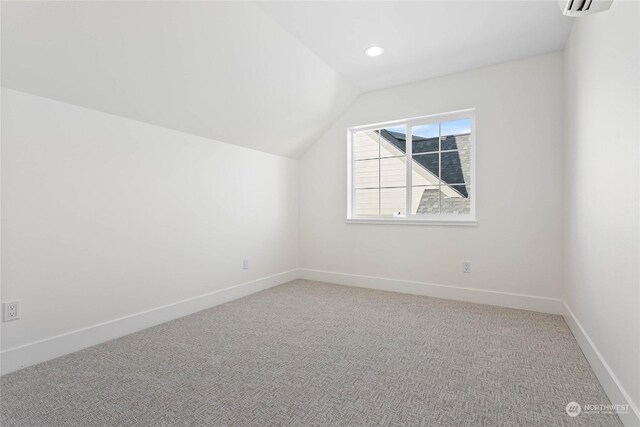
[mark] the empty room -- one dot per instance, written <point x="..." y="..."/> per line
<point x="320" y="213"/>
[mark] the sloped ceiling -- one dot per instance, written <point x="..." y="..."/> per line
<point x="265" y="75"/>
<point x="422" y="39"/>
<point x="221" y="70"/>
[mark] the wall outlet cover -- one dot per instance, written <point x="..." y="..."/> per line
<point x="10" y="311"/>
<point x="466" y="266"/>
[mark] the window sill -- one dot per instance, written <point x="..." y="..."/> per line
<point x="412" y="221"/>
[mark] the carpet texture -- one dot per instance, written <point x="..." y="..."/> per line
<point x="311" y="354"/>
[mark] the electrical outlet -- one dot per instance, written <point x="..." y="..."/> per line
<point x="245" y="264"/>
<point x="11" y="311"/>
<point x="466" y="266"/>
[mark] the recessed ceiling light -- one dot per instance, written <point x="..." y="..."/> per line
<point x="374" y="51"/>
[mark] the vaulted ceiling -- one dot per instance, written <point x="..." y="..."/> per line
<point x="422" y="39"/>
<point x="268" y="75"/>
<point x="221" y="70"/>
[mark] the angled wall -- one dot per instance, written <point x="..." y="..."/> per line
<point x="220" y="70"/>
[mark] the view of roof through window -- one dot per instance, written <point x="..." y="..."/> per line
<point x="440" y="170"/>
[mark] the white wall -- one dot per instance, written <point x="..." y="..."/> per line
<point x="602" y="59"/>
<point x="104" y="217"/>
<point x="516" y="246"/>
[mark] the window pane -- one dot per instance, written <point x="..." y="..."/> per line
<point x="455" y="134"/>
<point x="367" y="202"/>
<point x="455" y="200"/>
<point x="425" y="200"/>
<point x="452" y="167"/>
<point x="424" y="170"/>
<point x="393" y="201"/>
<point x="456" y="127"/>
<point x="366" y="173"/>
<point x="432" y="130"/>
<point x="424" y="138"/>
<point x="393" y="141"/>
<point x="465" y="161"/>
<point x="393" y="172"/>
<point x="365" y="145"/>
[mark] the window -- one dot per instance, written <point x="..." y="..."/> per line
<point x="418" y="170"/>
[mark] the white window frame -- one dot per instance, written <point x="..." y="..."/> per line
<point x="417" y="219"/>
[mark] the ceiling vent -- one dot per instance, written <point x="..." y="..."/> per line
<point x="579" y="8"/>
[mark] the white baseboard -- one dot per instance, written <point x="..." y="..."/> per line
<point x="479" y="296"/>
<point x="615" y="391"/>
<point x="19" y="357"/>
<point x="22" y="356"/>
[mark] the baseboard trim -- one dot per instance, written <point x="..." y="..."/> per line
<point x="479" y="296"/>
<point x="33" y="353"/>
<point x="610" y="383"/>
<point x="36" y="352"/>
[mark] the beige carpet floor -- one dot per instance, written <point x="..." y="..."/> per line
<point x="315" y="354"/>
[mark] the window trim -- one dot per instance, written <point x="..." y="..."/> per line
<point x="417" y="219"/>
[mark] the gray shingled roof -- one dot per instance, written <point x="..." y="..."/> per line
<point x="451" y="165"/>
